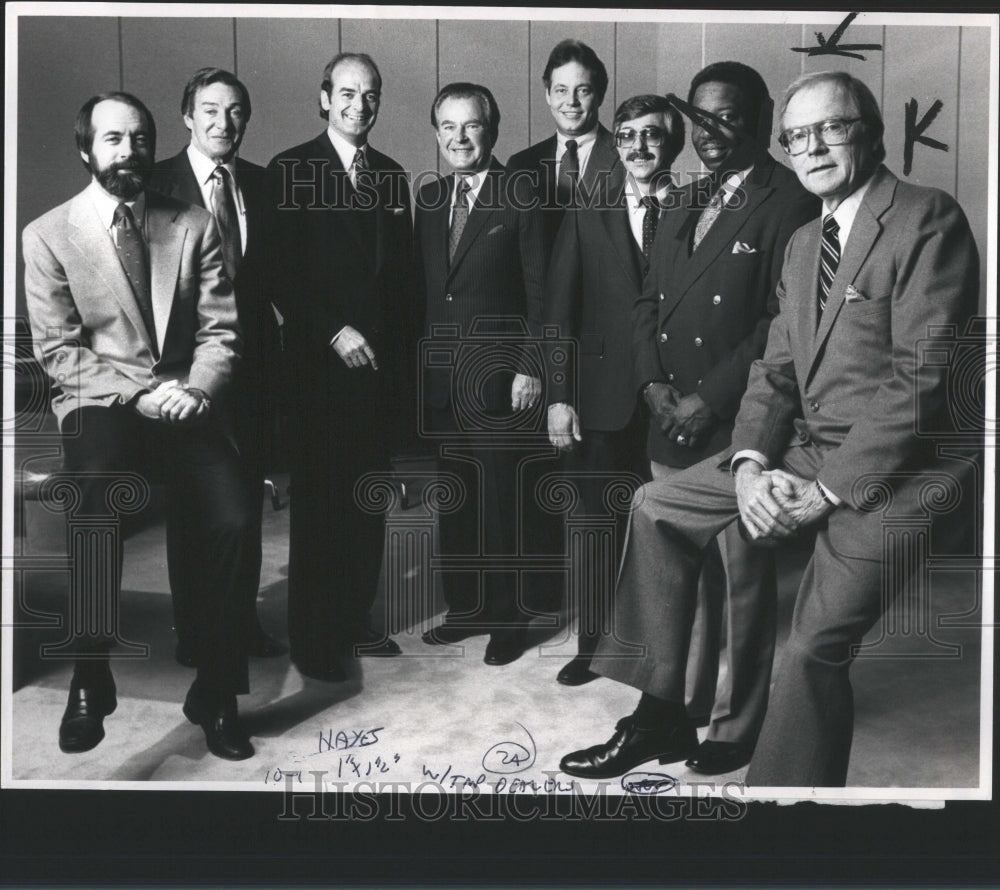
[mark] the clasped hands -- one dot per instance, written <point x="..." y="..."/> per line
<point x="174" y="402"/>
<point x="775" y="504"/>
<point x="683" y="419"/>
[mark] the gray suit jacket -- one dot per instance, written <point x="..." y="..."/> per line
<point x="861" y="383"/>
<point x="87" y="330"/>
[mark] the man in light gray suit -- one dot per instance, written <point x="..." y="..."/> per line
<point x="825" y="435"/>
<point x="134" y="321"/>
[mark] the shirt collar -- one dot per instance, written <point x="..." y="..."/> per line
<point x="634" y="193"/>
<point x="847" y="211"/>
<point x="475" y="181"/>
<point x="204" y="167"/>
<point x="106" y="204"/>
<point x="581" y="141"/>
<point x="345" y="151"/>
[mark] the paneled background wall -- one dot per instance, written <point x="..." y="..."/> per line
<point x="64" y="60"/>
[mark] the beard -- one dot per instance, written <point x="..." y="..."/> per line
<point x="124" y="179"/>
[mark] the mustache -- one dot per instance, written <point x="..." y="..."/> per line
<point x="639" y="156"/>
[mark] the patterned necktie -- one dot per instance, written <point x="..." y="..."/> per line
<point x="569" y="172"/>
<point x="708" y="216"/>
<point x="649" y="221"/>
<point x="358" y="166"/>
<point x="459" y="215"/>
<point x="224" y="208"/>
<point x="829" y="259"/>
<point x="132" y="253"/>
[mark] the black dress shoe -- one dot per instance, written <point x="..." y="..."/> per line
<point x="629" y="747"/>
<point x="333" y="673"/>
<point x="218" y="717"/>
<point x="186" y="654"/>
<point x="447" y="633"/>
<point x="82" y="726"/>
<point x="576" y="672"/>
<point x="713" y="758"/>
<point x="373" y="645"/>
<point x="504" y="647"/>
<point x="263" y="645"/>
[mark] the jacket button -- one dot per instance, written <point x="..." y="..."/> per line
<point x="716" y="299"/>
<point x="662" y="297"/>
<point x="697" y="341"/>
<point x="664" y="338"/>
<point x="448" y="297"/>
<point x="670" y="378"/>
<point x="814" y="406"/>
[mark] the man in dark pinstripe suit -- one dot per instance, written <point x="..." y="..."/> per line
<point x="482" y="257"/>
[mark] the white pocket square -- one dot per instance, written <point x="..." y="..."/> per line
<point x="853" y="295"/>
<point x="398" y="210"/>
<point x="743" y="247"/>
<point x="495" y="229"/>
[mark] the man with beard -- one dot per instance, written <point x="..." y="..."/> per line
<point x="133" y="319"/>
<point x="207" y="173"/>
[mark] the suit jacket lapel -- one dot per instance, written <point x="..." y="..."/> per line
<point x="603" y="156"/>
<point x="166" y="242"/>
<point x="96" y="248"/>
<point x="864" y="233"/>
<point x="341" y="188"/>
<point x="619" y="231"/>
<point x="490" y="196"/>
<point x="187" y="185"/>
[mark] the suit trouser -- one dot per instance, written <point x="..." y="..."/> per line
<point x="602" y="456"/>
<point x="743" y="577"/>
<point x="206" y="488"/>
<point x="806" y="736"/>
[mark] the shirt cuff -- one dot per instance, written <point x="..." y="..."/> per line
<point x="748" y="454"/>
<point x="337" y="335"/>
<point x="830" y="496"/>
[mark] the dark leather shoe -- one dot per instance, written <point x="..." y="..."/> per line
<point x="263" y="645"/>
<point x="373" y="645"/>
<point x="186" y="654"/>
<point x="221" y="723"/>
<point x="447" y="633"/>
<point x="82" y="726"/>
<point x="713" y="758"/>
<point x="577" y="672"/>
<point x="629" y="747"/>
<point x="504" y="647"/>
<point x="331" y="674"/>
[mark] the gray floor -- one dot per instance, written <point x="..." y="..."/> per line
<point x="440" y="716"/>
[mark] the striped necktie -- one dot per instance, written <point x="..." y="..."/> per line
<point x="829" y="259"/>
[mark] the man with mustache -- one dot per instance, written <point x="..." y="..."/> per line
<point x="700" y="322"/>
<point x="208" y="173"/>
<point x="340" y="272"/>
<point x="595" y="275"/>
<point x="134" y="320"/>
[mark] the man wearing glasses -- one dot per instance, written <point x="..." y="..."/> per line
<point x="826" y="438"/>
<point x="599" y="260"/>
<point x="701" y="320"/>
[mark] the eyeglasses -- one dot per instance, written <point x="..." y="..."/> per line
<point x="831" y="132"/>
<point x="652" y="136"/>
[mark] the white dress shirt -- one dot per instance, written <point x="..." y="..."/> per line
<point x="346" y="152"/>
<point x="634" y="193"/>
<point x="584" y="146"/>
<point x="475" y="181"/>
<point x="204" y="173"/>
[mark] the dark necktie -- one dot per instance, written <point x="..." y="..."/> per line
<point x="829" y="259"/>
<point x="132" y="253"/>
<point x="459" y="215"/>
<point x="569" y="172"/>
<point x="224" y="208"/>
<point x="359" y="166"/>
<point x="649" y="221"/>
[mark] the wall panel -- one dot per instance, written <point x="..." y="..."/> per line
<point x="281" y="62"/>
<point x="600" y="36"/>
<point x="922" y="64"/>
<point x="159" y="55"/>
<point x="496" y="55"/>
<point x="972" y="150"/>
<point x="405" y="55"/>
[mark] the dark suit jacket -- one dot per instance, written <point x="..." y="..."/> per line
<point x="595" y="276"/>
<point x="490" y="294"/>
<point x="702" y="318"/>
<point x="866" y="384"/>
<point x="332" y="263"/>
<point x="539" y="160"/>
